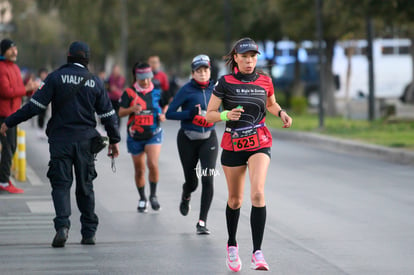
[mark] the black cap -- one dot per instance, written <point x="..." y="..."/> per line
<point x="6" y="44"/>
<point x="247" y="45"/>
<point x="200" y="60"/>
<point x="79" y="49"/>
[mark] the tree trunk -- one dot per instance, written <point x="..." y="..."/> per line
<point x="349" y="54"/>
<point x="123" y="51"/>
<point x="328" y="78"/>
<point x="298" y="88"/>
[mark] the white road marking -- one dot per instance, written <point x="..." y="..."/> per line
<point x="32" y="176"/>
<point x="41" y="206"/>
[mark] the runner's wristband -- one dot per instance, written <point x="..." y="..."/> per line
<point x="223" y="116"/>
<point x="281" y="110"/>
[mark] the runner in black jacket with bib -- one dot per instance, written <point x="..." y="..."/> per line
<point x="70" y="132"/>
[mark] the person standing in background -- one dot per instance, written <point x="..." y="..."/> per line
<point x="160" y="77"/>
<point x="42" y="74"/>
<point x="116" y="85"/>
<point x="12" y="89"/>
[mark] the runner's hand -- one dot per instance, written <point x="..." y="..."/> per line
<point x="235" y="113"/>
<point x="286" y="119"/>
<point x="162" y="117"/>
<point x="136" y="109"/>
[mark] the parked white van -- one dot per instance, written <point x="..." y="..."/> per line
<point x="392" y="67"/>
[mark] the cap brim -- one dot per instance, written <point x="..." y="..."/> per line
<point x="249" y="50"/>
<point x="144" y="76"/>
<point x="199" y="65"/>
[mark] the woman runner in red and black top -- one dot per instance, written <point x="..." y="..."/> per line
<point x="245" y="95"/>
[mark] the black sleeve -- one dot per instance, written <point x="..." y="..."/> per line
<point x="125" y="100"/>
<point x="164" y="99"/>
<point x="107" y="116"/>
<point x="219" y="88"/>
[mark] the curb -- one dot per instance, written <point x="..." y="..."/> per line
<point x="394" y="155"/>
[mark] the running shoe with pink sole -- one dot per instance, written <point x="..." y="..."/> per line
<point x="233" y="260"/>
<point x="258" y="261"/>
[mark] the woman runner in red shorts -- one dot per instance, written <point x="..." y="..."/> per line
<point x="245" y="95"/>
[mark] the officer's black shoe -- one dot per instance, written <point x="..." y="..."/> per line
<point x="60" y="238"/>
<point x="89" y="240"/>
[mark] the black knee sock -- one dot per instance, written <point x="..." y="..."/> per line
<point x="141" y="191"/>
<point x="153" y="189"/>
<point x="232" y="218"/>
<point x="257" y="223"/>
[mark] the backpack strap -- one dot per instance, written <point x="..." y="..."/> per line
<point x="136" y="99"/>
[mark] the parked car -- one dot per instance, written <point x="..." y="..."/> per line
<point x="283" y="76"/>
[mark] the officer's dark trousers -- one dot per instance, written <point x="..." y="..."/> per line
<point x="8" y="147"/>
<point x="63" y="158"/>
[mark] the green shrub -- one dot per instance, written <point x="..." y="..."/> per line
<point x="281" y="99"/>
<point x="298" y="104"/>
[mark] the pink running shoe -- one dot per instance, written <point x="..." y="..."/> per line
<point x="233" y="260"/>
<point x="258" y="261"/>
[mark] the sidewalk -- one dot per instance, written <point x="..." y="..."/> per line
<point x="395" y="155"/>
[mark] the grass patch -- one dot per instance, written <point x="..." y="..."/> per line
<point x="380" y="132"/>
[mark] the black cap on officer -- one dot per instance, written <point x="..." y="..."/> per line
<point x="78" y="53"/>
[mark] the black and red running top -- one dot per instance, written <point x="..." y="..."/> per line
<point x="251" y="92"/>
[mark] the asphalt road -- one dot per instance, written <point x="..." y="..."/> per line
<point x="328" y="213"/>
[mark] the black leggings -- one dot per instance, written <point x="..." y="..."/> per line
<point x="8" y="145"/>
<point x="191" y="151"/>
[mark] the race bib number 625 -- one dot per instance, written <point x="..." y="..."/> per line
<point x="245" y="140"/>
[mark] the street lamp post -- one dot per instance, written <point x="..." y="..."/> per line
<point x="371" y="87"/>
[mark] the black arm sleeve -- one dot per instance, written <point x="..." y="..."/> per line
<point x="108" y="117"/>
